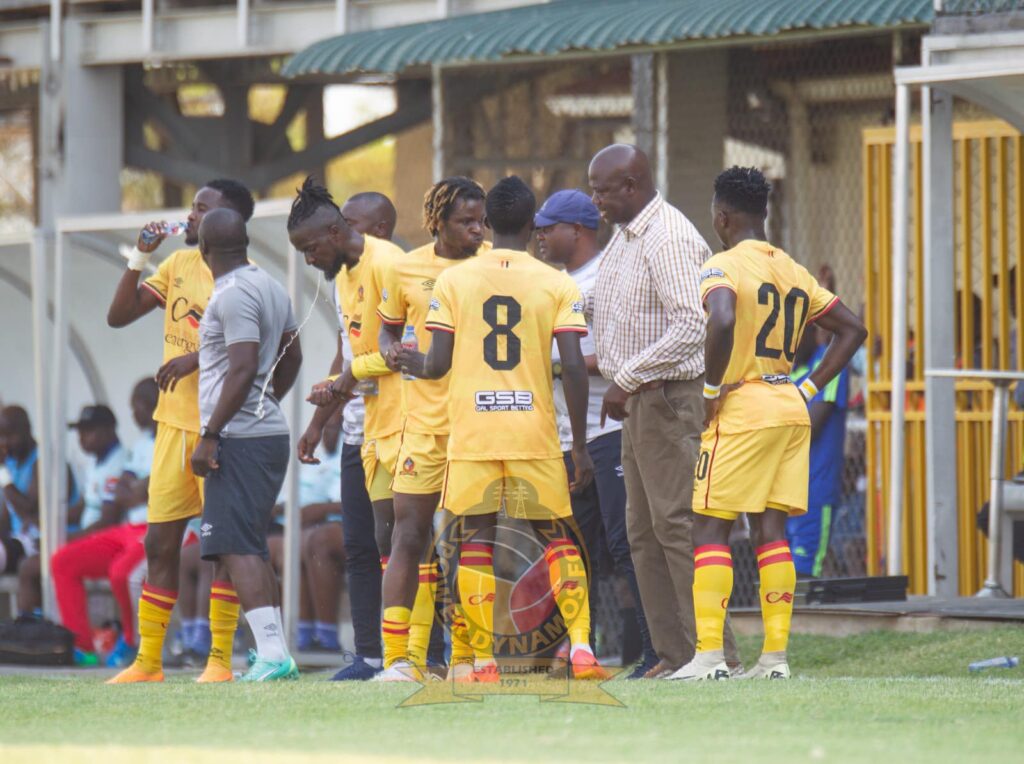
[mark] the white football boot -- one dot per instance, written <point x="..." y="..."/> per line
<point x="770" y="666"/>
<point x="399" y="671"/>
<point x="706" y="665"/>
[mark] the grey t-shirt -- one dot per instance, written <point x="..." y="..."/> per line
<point x="247" y="305"/>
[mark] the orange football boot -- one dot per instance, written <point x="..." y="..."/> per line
<point x="133" y="675"/>
<point x="585" y="666"/>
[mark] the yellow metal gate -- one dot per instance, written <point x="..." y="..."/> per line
<point x="989" y="204"/>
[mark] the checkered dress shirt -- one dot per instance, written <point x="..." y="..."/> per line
<point x="648" y="320"/>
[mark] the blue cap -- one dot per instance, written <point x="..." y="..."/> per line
<point x="569" y="206"/>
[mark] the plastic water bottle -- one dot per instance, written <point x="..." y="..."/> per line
<point x="409" y="342"/>
<point x="366" y="386"/>
<point x="1005" y="661"/>
<point x="169" y="229"/>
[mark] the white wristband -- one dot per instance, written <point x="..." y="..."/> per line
<point x="712" y="391"/>
<point x="5" y="476"/>
<point x="137" y="261"/>
<point x="808" y="389"/>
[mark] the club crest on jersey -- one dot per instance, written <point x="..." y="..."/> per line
<point x="504" y="400"/>
<point x="179" y="282"/>
<point x="409" y="467"/>
<point x="359" y="294"/>
<point x="712" y="273"/>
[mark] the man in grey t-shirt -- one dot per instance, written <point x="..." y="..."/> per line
<point x="243" y="449"/>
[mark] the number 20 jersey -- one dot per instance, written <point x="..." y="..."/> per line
<point x="776" y="299"/>
<point x="504" y="307"/>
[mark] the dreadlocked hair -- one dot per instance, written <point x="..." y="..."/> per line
<point x="744" y="189"/>
<point x="510" y="206"/>
<point x="311" y="197"/>
<point x="439" y="201"/>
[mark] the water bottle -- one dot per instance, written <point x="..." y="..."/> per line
<point x="1005" y="661"/>
<point x="409" y="342"/>
<point x="366" y="386"/>
<point x="169" y="229"/>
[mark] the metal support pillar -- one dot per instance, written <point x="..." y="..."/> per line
<point x="437" y="114"/>
<point x="661" y="124"/>
<point x="898" y="340"/>
<point x="292" y="510"/>
<point x="41" y="242"/>
<point x="940" y="392"/>
<point x="641" y="71"/>
<point x="1000" y="406"/>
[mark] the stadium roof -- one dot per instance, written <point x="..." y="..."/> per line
<point x="564" y="26"/>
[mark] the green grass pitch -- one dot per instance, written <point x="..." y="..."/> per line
<point x="879" y="697"/>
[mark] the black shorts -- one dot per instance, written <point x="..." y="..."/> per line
<point x="240" y="495"/>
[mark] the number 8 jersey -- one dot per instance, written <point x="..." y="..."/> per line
<point x="776" y="298"/>
<point x="503" y="307"/>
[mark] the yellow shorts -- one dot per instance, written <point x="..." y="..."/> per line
<point x="751" y="471"/>
<point x="535" y="489"/>
<point x="175" y="493"/>
<point x="421" y="462"/>
<point x="379" y="456"/>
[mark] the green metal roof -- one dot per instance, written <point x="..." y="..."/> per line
<point x="590" y="25"/>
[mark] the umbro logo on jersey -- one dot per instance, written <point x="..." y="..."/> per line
<point x="205" y="529"/>
<point x="429" y="284"/>
<point x="504" y="400"/>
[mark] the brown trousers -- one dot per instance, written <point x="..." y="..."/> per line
<point x="660" y="443"/>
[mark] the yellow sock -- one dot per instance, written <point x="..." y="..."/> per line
<point x="568" y="579"/>
<point x="476" y="591"/>
<point x="155" y="606"/>
<point x="224" y="610"/>
<point x="394" y="630"/>
<point x="712" y="586"/>
<point x="422" y="619"/>
<point x="778" y="582"/>
<point x="462" y="651"/>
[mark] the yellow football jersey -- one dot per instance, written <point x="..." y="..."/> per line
<point x="183" y="283"/>
<point x="405" y="300"/>
<point x="359" y="293"/>
<point x="776" y="298"/>
<point x="504" y="307"/>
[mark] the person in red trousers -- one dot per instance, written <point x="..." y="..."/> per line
<point x="112" y="547"/>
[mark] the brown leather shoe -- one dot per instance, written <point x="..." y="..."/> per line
<point x="661" y="669"/>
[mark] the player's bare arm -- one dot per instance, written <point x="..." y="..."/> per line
<point x="721" y="307"/>
<point x="132" y="301"/>
<point x="290" y="353"/>
<point x="243" y="365"/>
<point x="390" y="342"/>
<point x="170" y="373"/>
<point x="849" y="334"/>
<point x="314" y="430"/>
<point x="434" y="364"/>
<point x="576" y="385"/>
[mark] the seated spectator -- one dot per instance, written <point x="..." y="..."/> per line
<point x="111" y="546"/>
<point x="19" y="513"/>
<point x="808" y="534"/>
<point x="322" y="549"/>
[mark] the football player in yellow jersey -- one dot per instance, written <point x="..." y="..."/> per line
<point x="454" y="216"/>
<point x="493" y="319"/>
<point x="356" y="262"/>
<point x="755" y="449"/>
<point x="182" y="287"/>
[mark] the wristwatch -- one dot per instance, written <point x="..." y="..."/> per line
<point x="207" y="434"/>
